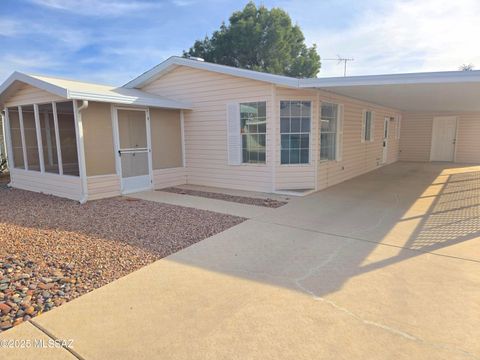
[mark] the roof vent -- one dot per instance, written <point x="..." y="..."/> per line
<point x="196" y="58"/>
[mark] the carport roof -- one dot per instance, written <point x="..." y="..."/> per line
<point x="450" y="91"/>
<point x="77" y="90"/>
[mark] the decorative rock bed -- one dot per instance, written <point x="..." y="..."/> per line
<point x="54" y="250"/>
<point x="265" y="202"/>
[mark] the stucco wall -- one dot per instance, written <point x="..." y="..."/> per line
<point x="166" y="137"/>
<point x="98" y="139"/>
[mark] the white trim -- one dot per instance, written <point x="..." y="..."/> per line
<point x="182" y="132"/>
<point x="82" y="167"/>
<point x="22" y="134"/>
<point x="57" y="138"/>
<point x="39" y="138"/>
<point x="8" y="140"/>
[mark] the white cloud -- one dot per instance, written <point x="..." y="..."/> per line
<point x="99" y="8"/>
<point x="8" y="27"/>
<point x="406" y="36"/>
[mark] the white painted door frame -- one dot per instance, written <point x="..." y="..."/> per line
<point x="444" y="138"/>
<point x="127" y="186"/>
<point x="386" y="131"/>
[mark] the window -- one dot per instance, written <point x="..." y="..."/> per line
<point x="367" y="126"/>
<point x="329" y="127"/>
<point x="68" y="140"/>
<point x="16" y="138"/>
<point x="295" y="118"/>
<point x="253" y="127"/>
<point x="47" y="128"/>
<point x="31" y="144"/>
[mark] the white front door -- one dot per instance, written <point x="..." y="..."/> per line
<point x="385" y="140"/>
<point x="133" y="149"/>
<point x="443" y="138"/>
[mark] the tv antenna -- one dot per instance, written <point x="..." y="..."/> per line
<point x="340" y="60"/>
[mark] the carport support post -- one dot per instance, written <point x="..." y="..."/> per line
<point x="81" y="148"/>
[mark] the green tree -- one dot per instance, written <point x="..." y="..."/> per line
<point x="260" y="39"/>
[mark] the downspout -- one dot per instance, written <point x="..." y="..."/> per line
<point x="81" y="149"/>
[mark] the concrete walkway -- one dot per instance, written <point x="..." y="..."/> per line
<point x="385" y="266"/>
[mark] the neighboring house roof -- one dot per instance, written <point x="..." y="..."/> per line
<point x="77" y="90"/>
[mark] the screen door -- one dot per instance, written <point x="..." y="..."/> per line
<point x="134" y="150"/>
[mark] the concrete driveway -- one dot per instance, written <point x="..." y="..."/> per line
<point x="385" y="266"/>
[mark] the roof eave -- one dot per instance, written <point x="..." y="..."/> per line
<point x="160" y="103"/>
<point x="393" y="79"/>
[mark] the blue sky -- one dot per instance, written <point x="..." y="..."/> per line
<point x="113" y="41"/>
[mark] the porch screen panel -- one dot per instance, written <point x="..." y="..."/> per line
<point x="132" y="129"/>
<point x="16" y="138"/>
<point x="134" y="164"/>
<point x="49" y="144"/>
<point x="68" y="139"/>
<point x="31" y="144"/>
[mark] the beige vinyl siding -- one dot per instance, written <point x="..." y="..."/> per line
<point x="69" y="187"/>
<point x="169" y="177"/>
<point x="103" y="186"/>
<point x="98" y="139"/>
<point x="357" y="158"/>
<point x="28" y="95"/>
<point x="206" y="126"/>
<point x="468" y="138"/>
<point x="416" y="136"/>
<point x="166" y="134"/>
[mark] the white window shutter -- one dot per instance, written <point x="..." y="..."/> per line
<point x="399" y="128"/>
<point x="372" y="128"/>
<point x="234" y="138"/>
<point x="364" y="125"/>
<point x="339" y="149"/>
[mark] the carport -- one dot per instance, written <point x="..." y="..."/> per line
<point x="440" y="111"/>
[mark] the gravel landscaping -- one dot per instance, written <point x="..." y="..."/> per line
<point x="54" y="250"/>
<point x="271" y="203"/>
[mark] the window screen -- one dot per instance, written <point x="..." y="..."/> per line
<point x="295" y="119"/>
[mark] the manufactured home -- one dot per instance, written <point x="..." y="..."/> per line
<point x="187" y="121"/>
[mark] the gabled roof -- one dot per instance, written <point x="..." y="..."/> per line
<point x="175" y="61"/>
<point x="77" y="90"/>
